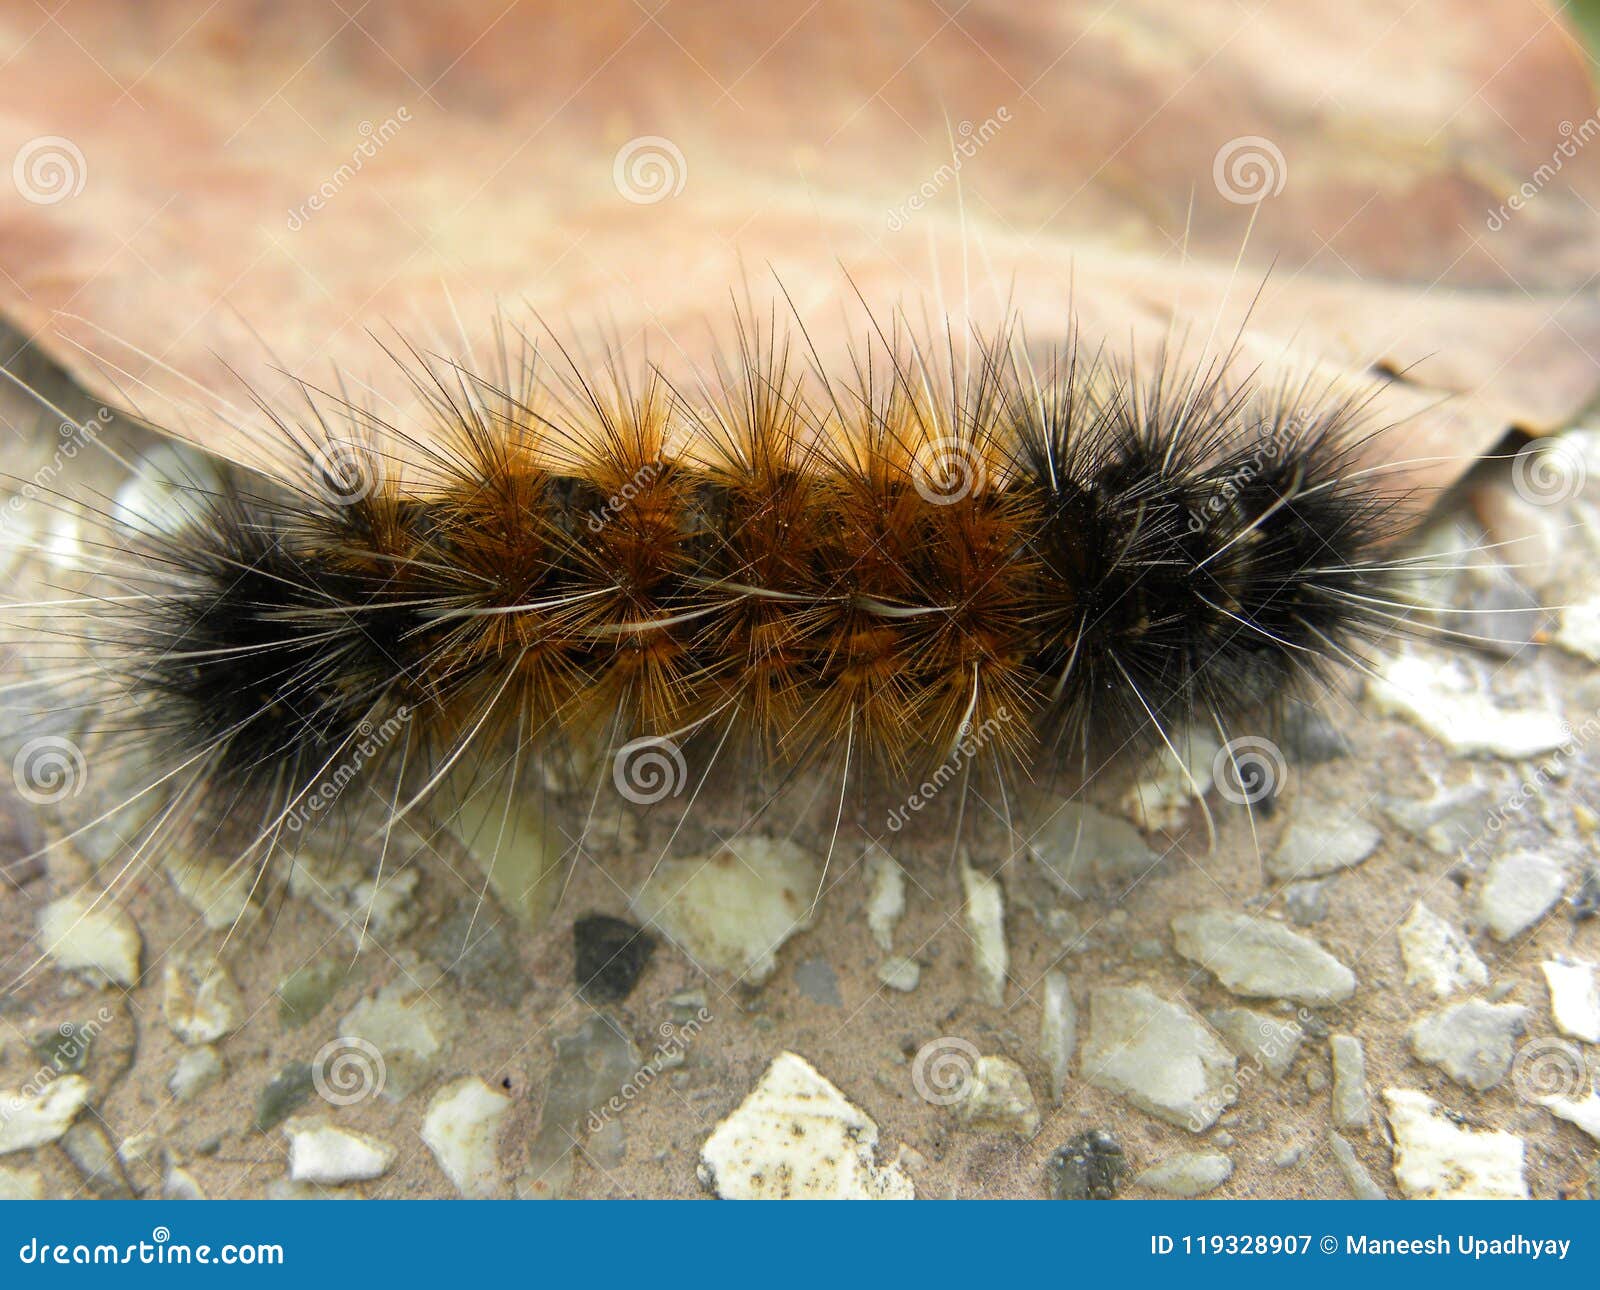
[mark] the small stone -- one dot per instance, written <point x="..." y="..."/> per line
<point x="1321" y="839"/>
<point x="998" y="1099"/>
<point x="305" y="993"/>
<point x="1290" y="1156"/>
<point x="353" y="898"/>
<point x="1159" y="800"/>
<point x="21" y="1184"/>
<point x="796" y="1136"/>
<point x="97" y="939"/>
<point x="284" y="1092"/>
<point x="1078" y="846"/>
<point x="143" y="1158"/>
<point x="609" y="955"/>
<point x="1579" y="632"/>
<point x="1317" y="1080"/>
<point x="1194" y="1173"/>
<point x="1441" y="698"/>
<point x="1437" y="957"/>
<point x="473" y="949"/>
<point x="321" y="1153"/>
<point x="1350" y="1107"/>
<point x="594" y="1062"/>
<point x="180" y="1184"/>
<point x="1356" y="1177"/>
<point x="900" y="974"/>
<point x="1158" y="1055"/>
<point x="1310" y="738"/>
<point x="985" y="910"/>
<point x="199" y="999"/>
<point x="886" y="903"/>
<point x="1574" y="998"/>
<point x="1058" y="1032"/>
<point x="1474" y="1043"/>
<point x="732" y="910"/>
<point x="1306" y="902"/>
<point x="1257" y="958"/>
<point x="1585" y="902"/>
<point x="816" y="979"/>
<point x="1518" y="890"/>
<point x="1438" y="1158"/>
<point x="408" y="1029"/>
<point x="219" y="893"/>
<point x="1266" y="1041"/>
<point x="197" y="1070"/>
<point x="86" y="1145"/>
<point x="1091" y="1166"/>
<point x="1583" y="1112"/>
<point x="31" y="1117"/>
<point x="1448" y="822"/>
<point x="460" y="1128"/>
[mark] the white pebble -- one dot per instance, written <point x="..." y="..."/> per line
<point x="94" y="938"/>
<point x="798" y="1137"/>
<point x="1575" y="998"/>
<point x="900" y="973"/>
<point x="321" y="1153"/>
<point x="1058" y="1033"/>
<point x="1583" y="1112"/>
<point x="1322" y="839"/>
<point x="460" y="1128"/>
<point x="1438" y="958"/>
<point x="31" y="1117"/>
<point x="986" y="914"/>
<point x="887" y="901"/>
<point x="732" y="910"/>
<point x="199" y="999"/>
<point x="197" y="1070"/>
<point x="1194" y="1173"/>
<point x="998" y="1098"/>
<point x="1441" y="698"/>
<point x="1435" y="1158"/>
<point x="21" y="1184"/>
<point x="1518" y="890"/>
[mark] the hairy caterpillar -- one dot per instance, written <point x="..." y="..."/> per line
<point x="955" y="562"/>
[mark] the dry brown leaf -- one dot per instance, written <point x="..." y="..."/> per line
<point x="470" y="155"/>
